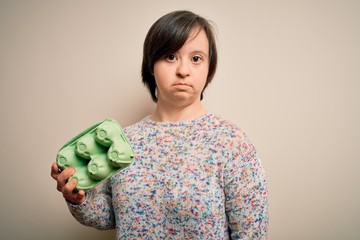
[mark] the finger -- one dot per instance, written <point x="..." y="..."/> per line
<point x="76" y="198"/>
<point x="63" y="177"/>
<point x="80" y="195"/>
<point x="65" y="174"/>
<point x="69" y="188"/>
<point x="54" y="171"/>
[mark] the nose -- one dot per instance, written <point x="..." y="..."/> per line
<point x="183" y="69"/>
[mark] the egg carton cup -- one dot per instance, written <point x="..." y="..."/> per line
<point x="96" y="154"/>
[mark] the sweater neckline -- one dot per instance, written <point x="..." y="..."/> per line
<point x="191" y="122"/>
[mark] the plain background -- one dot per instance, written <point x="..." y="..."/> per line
<point x="289" y="76"/>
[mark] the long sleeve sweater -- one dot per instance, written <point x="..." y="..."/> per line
<point x="198" y="179"/>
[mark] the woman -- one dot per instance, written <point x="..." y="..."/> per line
<point x="195" y="175"/>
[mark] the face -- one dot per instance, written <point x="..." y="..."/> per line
<point x="181" y="76"/>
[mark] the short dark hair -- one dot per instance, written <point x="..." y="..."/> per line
<point x="166" y="36"/>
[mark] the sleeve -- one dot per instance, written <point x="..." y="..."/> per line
<point x="246" y="193"/>
<point x="96" y="211"/>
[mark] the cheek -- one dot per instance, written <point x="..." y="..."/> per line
<point x="159" y="71"/>
<point x="203" y="74"/>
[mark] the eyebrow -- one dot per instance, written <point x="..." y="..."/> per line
<point x="199" y="52"/>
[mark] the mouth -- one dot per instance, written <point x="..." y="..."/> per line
<point x="181" y="84"/>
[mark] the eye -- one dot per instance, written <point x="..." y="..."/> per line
<point x="196" y="59"/>
<point x="171" y="57"/>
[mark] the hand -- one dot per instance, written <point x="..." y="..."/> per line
<point x="67" y="187"/>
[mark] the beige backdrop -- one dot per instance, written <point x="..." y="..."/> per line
<point x="289" y="76"/>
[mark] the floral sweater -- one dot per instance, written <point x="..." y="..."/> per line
<point x="198" y="179"/>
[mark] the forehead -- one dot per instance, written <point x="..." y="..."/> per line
<point x="197" y="41"/>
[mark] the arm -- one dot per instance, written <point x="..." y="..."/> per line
<point x="246" y="194"/>
<point x="96" y="211"/>
<point x="91" y="209"/>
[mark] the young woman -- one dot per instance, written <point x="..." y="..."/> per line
<point x="195" y="175"/>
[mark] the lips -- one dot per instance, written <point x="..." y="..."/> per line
<point x="182" y="84"/>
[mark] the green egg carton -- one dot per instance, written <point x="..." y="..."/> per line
<point x="96" y="154"/>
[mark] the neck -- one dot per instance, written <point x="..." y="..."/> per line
<point x="164" y="113"/>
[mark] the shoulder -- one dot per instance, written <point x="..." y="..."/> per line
<point x="225" y="125"/>
<point x="228" y="129"/>
<point x="233" y="136"/>
<point x="134" y="131"/>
